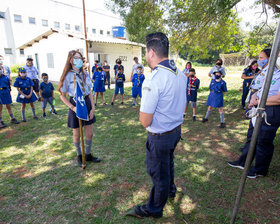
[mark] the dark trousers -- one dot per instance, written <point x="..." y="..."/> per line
<point x="160" y="166"/>
<point x="264" y="147"/>
<point x="107" y="78"/>
<point x="244" y="94"/>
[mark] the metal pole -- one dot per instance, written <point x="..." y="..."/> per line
<point x="85" y="29"/>
<point x="273" y="57"/>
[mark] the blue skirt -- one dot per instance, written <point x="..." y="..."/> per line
<point x="25" y="100"/>
<point x="5" y="96"/>
<point x="215" y="100"/>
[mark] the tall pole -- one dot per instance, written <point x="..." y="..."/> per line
<point x="85" y="29"/>
<point x="271" y="66"/>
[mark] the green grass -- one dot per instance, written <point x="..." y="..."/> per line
<point x="41" y="183"/>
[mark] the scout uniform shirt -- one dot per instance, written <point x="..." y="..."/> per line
<point x="31" y="71"/>
<point x="164" y="96"/>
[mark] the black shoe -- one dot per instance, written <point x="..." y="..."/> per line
<point x="44" y="115"/>
<point x="121" y="103"/>
<point x="194" y="118"/>
<point x="2" y="124"/>
<point x="23" y="120"/>
<point x="252" y="175"/>
<point x="35" y="117"/>
<point x="204" y="120"/>
<point x="14" y="121"/>
<point x="90" y="158"/>
<point x="80" y="161"/>
<point x="104" y="104"/>
<point x="236" y="164"/>
<point x="95" y="104"/>
<point x="140" y="211"/>
<point x="222" y="125"/>
<point x="54" y="112"/>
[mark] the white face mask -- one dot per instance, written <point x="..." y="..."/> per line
<point x="278" y="62"/>
<point x="23" y="74"/>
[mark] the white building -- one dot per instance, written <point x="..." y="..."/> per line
<point x="29" y="30"/>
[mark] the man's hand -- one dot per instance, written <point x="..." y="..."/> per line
<point x="254" y="100"/>
<point x="91" y="114"/>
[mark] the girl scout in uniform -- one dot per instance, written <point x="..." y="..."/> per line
<point x="26" y="95"/>
<point x="217" y="87"/>
<point x="264" y="145"/>
<point x="99" y="84"/>
<point x="73" y="70"/>
<point x="5" y="97"/>
<point x="137" y="80"/>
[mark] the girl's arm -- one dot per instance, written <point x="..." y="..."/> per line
<point x="243" y="76"/>
<point x="31" y="91"/>
<point x="66" y="101"/>
<point x="91" y="113"/>
<point x="20" y="92"/>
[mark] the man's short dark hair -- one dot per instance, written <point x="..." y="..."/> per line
<point x="44" y="74"/>
<point x="96" y="61"/>
<point x="99" y="69"/>
<point x="192" y="70"/>
<point x="29" y="59"/>
<point x="159" y="43"/>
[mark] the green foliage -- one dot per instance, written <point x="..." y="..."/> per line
<point x="14" y="68"/>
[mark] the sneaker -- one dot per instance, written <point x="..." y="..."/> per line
<point x="222" y="125"/>
<point x="194" y="118"/>
<point x="35" y="117"/>
<point x="80" y="161"/>
<point x="90" y="158"/>
<point x="121" y="103"/>
<point x="204" y="120"/>
<point x="112" y="104"/>
<point x="2" y="124"/>
<point x="236" y="165"/>
<point x="140" y="211"/>
<point x="44" y="115"/>
<point x="14" y="121"/>
<point x="104" y="104"/>
<point x="23" y="120"/>
<point x="252" y="175"/>
<point x="54" y="112"/>
<point x="133" y="104"/>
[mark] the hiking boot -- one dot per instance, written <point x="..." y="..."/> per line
<point x="90" y="158"/>
<point x="14" y="121"/>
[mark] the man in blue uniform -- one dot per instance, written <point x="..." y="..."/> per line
<point x="161" y="113"/>
<point x="33" y="73"/>
<point x="7" y="71"/>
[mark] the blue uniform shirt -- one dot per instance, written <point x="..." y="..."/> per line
<point x="193" y="91"/>
<point x="138" y="80"/>
<point x="7" y="71"/>
<point x="120" y="80"/>
<point x="24" y="84"/>
<point x="116" y="68"/>
<point x="47" y="89"/>
<point x="257" y="83"/>
<point x="186" y="71"/>
<point x="249" y="72"/>
<point x="69" y="87"/>
<point x="98" y="76"/>
<point x="164" y="96"/>
<point x="4" y="81"/>
<point x="214" y="69"/>
<point x="274" y="85"/>
<point x="31" y="71"/>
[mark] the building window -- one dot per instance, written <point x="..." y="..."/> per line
<point x="21" y="51"/>
<point x="8" y="50"/>
<point x="67" y="26"/>
<point x="32" y="20"/>
<point x="108" y="33"/>
<point x="101" y="32"/>
<point x="56" y="25"/>
<point x="2" y="15"/>
<point x="44" y="22"/>
<point x="77" y="28"/>
<point x="17" y="18"/>
<point x="93" y="30"/>
<point x="50" y="60"/>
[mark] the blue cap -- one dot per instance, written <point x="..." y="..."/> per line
<point x="22" y="69"/>
<point x="217" y="72"/>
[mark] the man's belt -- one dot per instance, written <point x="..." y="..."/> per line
<point x="165" y="133"/>
<point x="3" y="88"/>
<point x="24" y="88"/>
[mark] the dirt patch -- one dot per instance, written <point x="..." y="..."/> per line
<point x="98" y="205"/>
<point x="10" y="133"/>
<point x="22" y="172"/>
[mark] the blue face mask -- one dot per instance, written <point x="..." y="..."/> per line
<point x="217" y="76"/>
<point x="263" y="62"/>
<point x="78" y="63"/>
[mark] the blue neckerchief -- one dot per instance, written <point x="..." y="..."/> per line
<point x="168" y="64"/>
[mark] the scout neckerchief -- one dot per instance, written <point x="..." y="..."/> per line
<point x="168" y="65"/>
<point x="191" y="81"/>
<point x="80" y="76"/>
<point x="138" y="80"/>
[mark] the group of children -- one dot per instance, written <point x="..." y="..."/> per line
<point x="99" y="84"/>
<point x="217" y="90"/>
<point x="25" y="95"/>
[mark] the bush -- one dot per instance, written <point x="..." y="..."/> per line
<point x="14" y="68"/>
